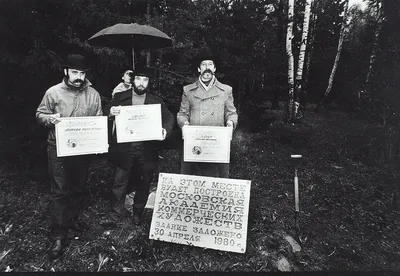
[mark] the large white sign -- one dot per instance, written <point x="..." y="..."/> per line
<point x="201" y="211"/>
<point x="81" y="135"/>
<point x="207" y="144"/>
<point x="139" y="123"/>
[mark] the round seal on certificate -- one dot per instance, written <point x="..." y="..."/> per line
<point x="71" y="143"/>
<point x="196" y="150"/>
<point x="128" y="130"/>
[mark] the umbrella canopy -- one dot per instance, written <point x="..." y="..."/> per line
<point x="133" y="35"/>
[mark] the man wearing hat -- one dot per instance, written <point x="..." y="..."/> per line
<point x="73" y="97"/>
<point x="125" y="84"/>
<point x="134" y="160"/>
<point x="206" y="102"/>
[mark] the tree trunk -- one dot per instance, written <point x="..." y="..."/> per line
<point x="372" y="58"/>
<point x="289" y="37"/>
<point x="304" y="89"/>
<point x="338" y="52"/>
<point x="302" y="53"/>
<point x="279" y="43"/>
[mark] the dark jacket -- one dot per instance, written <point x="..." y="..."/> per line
<point x="119" y="153"/>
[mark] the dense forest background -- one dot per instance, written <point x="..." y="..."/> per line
<point x="248" y="36"/>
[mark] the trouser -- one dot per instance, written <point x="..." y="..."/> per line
<point x="205" y="169"/>
<point x="140" y="175"/>
<point x="68" y="176"/>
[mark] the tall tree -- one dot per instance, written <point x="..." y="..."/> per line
<point x="338" y="52"/>
<point x="289" y="52"/>
<point x="280" y="52"/>
<point x="377" y="6"/>
<point x="313" y="22"/>
<point x="302" y="53"/>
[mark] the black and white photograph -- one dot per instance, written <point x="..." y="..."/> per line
<point x="200" y="136"/>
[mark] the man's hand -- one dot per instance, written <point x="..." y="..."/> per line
<point x="115" y="110"/>
<point x="229" y="124"/>
<point x="183" y="129"/>
<point x="164" y="134"/>
<point x="53" y="119"/>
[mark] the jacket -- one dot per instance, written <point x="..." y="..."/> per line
<point x="69" y="103"/>
<point x="119" y="153"/>
<point x="207" y="108"/>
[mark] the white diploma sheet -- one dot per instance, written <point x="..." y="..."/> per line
<point x="81" y="135"/>
<point x="207" y="144"/>
<point x="139" y="123"/>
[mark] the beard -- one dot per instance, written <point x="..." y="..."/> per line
<point x="140" y="90"/>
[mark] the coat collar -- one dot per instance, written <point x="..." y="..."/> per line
<point x="201" y="93"/>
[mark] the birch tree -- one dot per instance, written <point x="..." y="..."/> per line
<point x="289" y="38"/>
<point x="302" y="54"/>
<point x="338" y="52"/>
<point x="375" y="46"/>
<point x="313" y="22"/>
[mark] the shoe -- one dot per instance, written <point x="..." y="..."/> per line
<point x="108" y="223"/>
<point x="79" y="226"/>
<point x="56" y="249"/>
<point x="137" y="216"/>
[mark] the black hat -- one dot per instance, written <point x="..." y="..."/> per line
<point x="75" y="61"/>
<point x="143" y="71"/>
<point x="204" y="54"/>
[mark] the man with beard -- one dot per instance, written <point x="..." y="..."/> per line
<point x="206" y="102"/>
<point x="134" y="161"/>
<point x="73" y="97"/>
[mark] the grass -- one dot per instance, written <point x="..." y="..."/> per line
<point x="346" y="219"/>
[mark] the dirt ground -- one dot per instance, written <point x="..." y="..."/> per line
<point x="347" y="219"/>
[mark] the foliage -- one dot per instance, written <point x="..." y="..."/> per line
<point x="37" y="34"/>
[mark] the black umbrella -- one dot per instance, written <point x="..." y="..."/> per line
<point x="131" y="35"/>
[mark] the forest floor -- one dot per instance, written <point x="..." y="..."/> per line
<point x="347" y="219"/>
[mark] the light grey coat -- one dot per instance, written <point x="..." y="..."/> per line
<point x="207" y="108"/>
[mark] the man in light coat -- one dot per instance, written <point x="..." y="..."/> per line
<point x="207" y="102"/>
<point x="73" y="97"/>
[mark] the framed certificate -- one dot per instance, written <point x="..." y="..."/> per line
<point x="81" y="135"/>
<point x="207" y="144"/>
<point x="139" y="123"/>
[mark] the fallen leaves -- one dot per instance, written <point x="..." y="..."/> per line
<point x="4" y="254"/>
<point x="6" y="230"/>
<point x="103" y="259"/>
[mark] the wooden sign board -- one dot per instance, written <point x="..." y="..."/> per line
<point x="201" y="211"/>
